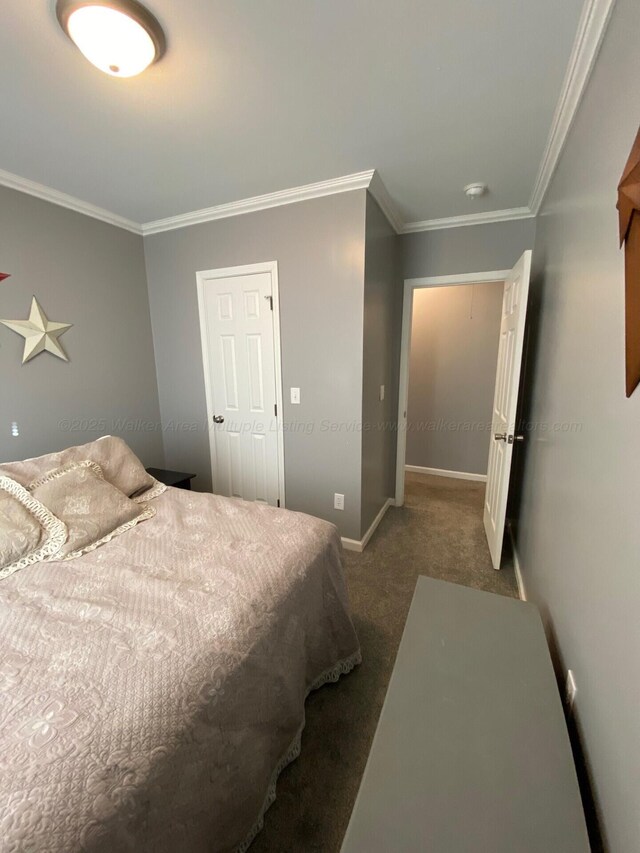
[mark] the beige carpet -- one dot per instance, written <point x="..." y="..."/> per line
<point x="439" y="533"/>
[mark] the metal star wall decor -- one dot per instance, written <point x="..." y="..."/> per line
<point x="39" y="333"/>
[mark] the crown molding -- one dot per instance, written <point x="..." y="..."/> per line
<point x="593" y="23"/>
<point x="23" y="185"/>
<point x="592" y="26"/>
<point x="485" y="218"/>
<point x="369" y="179"/>
<point x="591" y="29"/>
<point x="357" y="181"/>
<point x="386" y="203"/>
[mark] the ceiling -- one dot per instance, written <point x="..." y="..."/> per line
<point x="256" y="96"/>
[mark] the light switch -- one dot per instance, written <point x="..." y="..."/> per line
<point x="295" y="396"/>
<point x="381" y="393"/>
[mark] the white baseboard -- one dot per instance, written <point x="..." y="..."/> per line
<point x="522" y="592"/>
<point x="441" y="472"/>
<point x="360" y="544"/>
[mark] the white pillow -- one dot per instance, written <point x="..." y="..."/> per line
<point x="94" y="510"/>
<point x="29" y="532"/>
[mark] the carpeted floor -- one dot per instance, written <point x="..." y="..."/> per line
<point x="439" y="532"/>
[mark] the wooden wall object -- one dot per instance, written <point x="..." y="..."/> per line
<point x="629" y="217"/>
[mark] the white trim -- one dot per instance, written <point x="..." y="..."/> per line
<point x="522" y="592"/>
<point x="227" y="272"/>
<point x="360" y="544"/>
<point x="486" y="218"/>
<point x="351" y="544"/>
<point x="346" y="183"/>
<point x="403" y="390"/>
<point x="386" y="203"/>
<point x="591" y="29"/>
<point x="442" y="472"/>
<point x="23" y="185"/>
<point x="411" y="284"/>
<point x="358" y="181"/>
<point x="369" y="179"/>
<point x="277" y="354"/>
<point x="461" y="278"/>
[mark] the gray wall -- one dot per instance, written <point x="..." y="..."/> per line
<point x="90" y="274"/>
<point x="473" y="248"/>
<point x="578" y="534"/>
<point x="452" y="372"/>
<point x="381" y="355"/>
<point x="319" y="247"/>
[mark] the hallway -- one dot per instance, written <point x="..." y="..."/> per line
<point x="439" y="532"/>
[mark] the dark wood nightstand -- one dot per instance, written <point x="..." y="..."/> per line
<point x="177" y="479"/>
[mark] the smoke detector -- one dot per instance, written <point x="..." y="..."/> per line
<point x="475" y="190"/>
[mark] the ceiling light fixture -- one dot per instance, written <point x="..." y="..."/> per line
<point x="475" y="190"/>
<point x="120" y="37"/>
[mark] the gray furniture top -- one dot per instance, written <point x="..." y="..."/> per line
<point x="471" y="752"/>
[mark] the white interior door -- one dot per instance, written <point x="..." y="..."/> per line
<point x="514" y="312"/>
<point x="241" y="360"/>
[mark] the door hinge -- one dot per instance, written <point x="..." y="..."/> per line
<point x="278" y="501"/>
<point x="270" y="298"/>
<point x="275" y="409"/>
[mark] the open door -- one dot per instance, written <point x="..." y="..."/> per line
<point x="505" y="402"/>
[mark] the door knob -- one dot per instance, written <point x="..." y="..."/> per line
<point x="218" y="419"/>
<point x="500" y="436"/>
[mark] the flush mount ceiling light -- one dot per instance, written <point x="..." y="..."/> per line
<point x="475" y="190"/>
<point x="120" y="37"/>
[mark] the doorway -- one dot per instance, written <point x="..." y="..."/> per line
<point x="240" y="335"/>
<point x="495" y="434"/>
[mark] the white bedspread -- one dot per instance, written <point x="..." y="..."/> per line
<point x="150" y="691"/>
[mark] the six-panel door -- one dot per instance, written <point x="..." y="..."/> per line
<point x="239" y="333"/>
<point x="505" y="403"/>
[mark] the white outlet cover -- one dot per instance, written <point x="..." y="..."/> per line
<point x="295" y="396"/>
<point x="338" y="501"/>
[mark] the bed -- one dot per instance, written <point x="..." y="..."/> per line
<point x="152" y="688"/>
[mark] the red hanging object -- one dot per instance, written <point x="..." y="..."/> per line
<point x="4" y="275"/>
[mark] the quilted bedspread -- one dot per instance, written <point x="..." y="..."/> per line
<point x="151" y="691"/>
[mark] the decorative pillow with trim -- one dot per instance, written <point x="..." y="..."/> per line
<point x="94" y="510"/>
<point x="120" y="466"/>
<point x="29" y="531"/>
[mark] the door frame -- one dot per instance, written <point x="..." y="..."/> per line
<point x="202" y="276"/>
<point x="410" y="285"/>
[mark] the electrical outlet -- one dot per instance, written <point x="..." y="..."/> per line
<point x="381" y="393"/>
<point x="295" y="396"/>
<point x="338" y="501"/>
<point x="570" y="690"/>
